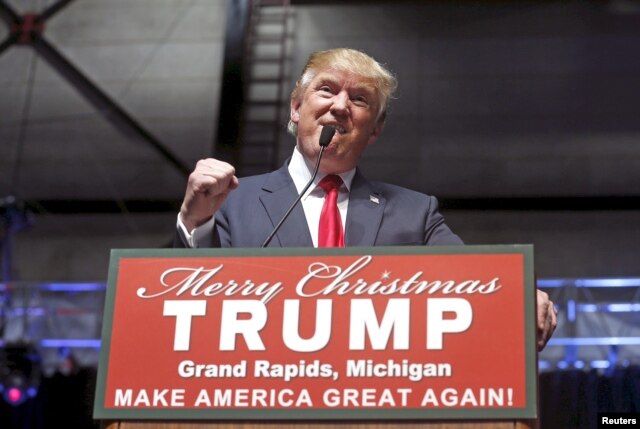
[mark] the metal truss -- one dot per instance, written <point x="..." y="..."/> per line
<point x="28" y="30"/>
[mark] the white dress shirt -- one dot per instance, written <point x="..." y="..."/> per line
<point x="300" y="170"/>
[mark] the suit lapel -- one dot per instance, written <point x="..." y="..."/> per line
<point x="278" y="193"/>
<point x="366" y="207"/>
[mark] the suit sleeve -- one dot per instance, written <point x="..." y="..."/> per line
<point x="437" y="232"/>
<point x="204" y="236"/>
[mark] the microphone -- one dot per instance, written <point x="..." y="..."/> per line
<point x="325" y="138"/>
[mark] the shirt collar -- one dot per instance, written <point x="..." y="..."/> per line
<point x="301" y="170"/>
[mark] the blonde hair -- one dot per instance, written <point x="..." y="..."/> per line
<point x="352" y="61"/>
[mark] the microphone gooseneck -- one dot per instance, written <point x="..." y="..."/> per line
<point x="326" y="135"/>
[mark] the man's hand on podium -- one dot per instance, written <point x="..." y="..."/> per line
<point x="546" y="318"/>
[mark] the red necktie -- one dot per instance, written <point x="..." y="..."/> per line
<point x="330" y="230"/>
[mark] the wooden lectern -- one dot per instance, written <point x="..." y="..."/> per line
<point x="532" y="424"/>
<point x="353" y="338"/>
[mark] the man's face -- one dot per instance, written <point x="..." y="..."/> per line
<point x="349" y="103"/>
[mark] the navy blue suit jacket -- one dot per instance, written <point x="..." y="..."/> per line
<point x="379" y="214"/>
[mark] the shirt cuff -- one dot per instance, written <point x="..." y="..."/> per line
<point x="198" y="237"/>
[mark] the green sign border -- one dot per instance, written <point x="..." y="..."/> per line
<point x="527" y="412"/>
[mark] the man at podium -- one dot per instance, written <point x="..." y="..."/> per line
<point x="346" y="93"/>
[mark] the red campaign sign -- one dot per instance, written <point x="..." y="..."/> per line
<point x="328" y="334"/>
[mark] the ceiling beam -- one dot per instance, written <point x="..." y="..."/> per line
<point x="547" y="204"/>
<point x="28" y="30"/>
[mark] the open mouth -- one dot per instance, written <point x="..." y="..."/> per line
<point x="339" y="128"/>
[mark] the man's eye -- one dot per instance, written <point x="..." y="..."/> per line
<point x="325" y="88"/>
<point x="360" y="100"/>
